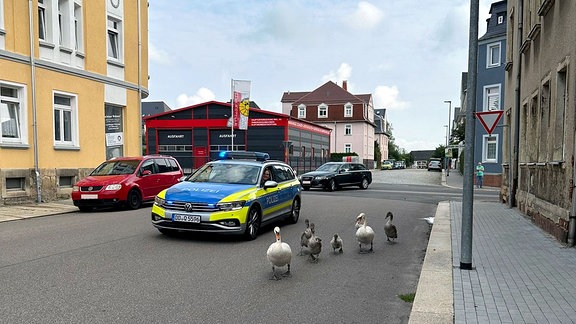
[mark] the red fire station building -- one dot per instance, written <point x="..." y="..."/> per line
<point x="196" y="134"/>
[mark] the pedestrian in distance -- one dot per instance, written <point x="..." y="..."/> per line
<point x="479" y="175"/>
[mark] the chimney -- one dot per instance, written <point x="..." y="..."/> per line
<point x="345" y="85"/>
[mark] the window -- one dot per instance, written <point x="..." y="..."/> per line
<point x="347" y="148"/>
<point x="301" y="111"/>
<point x="65" y="181"/>
<point x="15" y="184"/>
<point x="493" y="55"/>
<point x="492" y="97"/>
<point x="322" y="111"/>
<point x="65" y="121"/>
<point x="490" y="148"/>
<point x="561" y="97"/>
<point x="12" y="114"/>
<point x="42" y="25"/>
<point x="348" y="110"/>
<point x="500" y="19"/>
<point x="78" y="42"/>
<point x="348" y="129"/>
<point x="114" y="40"/>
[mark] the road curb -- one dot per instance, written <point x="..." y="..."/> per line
<point x="434" y="301"/>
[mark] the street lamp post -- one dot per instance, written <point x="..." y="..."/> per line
<point x="448" y="159"/>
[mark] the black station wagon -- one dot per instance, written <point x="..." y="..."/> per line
<point x="334" y="175"/>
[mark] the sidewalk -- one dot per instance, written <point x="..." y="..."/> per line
<point x="519" y="273"/>
<point x="15" y="212"/>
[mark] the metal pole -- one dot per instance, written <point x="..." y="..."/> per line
<point x="468" y="190"/>
<point x="448" y="158"/>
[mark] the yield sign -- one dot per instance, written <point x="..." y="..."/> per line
<point x="489" y="119"/>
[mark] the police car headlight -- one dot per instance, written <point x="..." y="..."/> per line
<point x="113" y="187"/>
<point x="159" y="201"/>
<point x="233" y="205"/>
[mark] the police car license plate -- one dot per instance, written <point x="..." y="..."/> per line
<point x="186" y="218"/>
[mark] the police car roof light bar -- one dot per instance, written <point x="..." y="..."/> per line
<point x="243" y="155"/>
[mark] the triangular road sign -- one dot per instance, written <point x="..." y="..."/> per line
<point x="489" y="119"/>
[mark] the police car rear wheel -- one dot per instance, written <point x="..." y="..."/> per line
<point x="252" y="224"/>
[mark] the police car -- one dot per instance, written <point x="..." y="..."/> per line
<point x="230" y="195"/>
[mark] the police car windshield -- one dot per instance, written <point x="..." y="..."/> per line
<point x="227" y="173"/>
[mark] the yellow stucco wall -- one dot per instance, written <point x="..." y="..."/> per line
<point x="88" y="85"/>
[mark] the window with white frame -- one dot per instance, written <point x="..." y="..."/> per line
<point x="348" y="110"/>
<point x="64" y="23"/>
<point x="493" y="55"/>
<point x="347" y="148"/>
<point x="114" y="38"/>
<point x="43" y="23"/>
<point x="500" y="19"/>
<point x="491" y="97"/>
<point x="322" y="111"/>
<point x="490" y="148"/>
<point x="12" y="114"/>
<point x="301" y="111"/>
<point x="78" y="40"/>
<point x="348" y="129"/>
<point x="65" y="120"/>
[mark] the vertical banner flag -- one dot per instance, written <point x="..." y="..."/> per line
<point x="240" y="103"/>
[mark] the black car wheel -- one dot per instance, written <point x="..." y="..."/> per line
<point x="294" y="212"/>
<point x="252" y="224"/>
<point x="331" y="186"/>
<point x="134" y="199"/>
<point x="364" y="184"/>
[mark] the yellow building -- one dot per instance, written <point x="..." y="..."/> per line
<point x="72" y="76"/>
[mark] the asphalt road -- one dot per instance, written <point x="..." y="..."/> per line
<point x="114" y="267"/>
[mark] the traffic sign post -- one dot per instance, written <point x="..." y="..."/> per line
<point x="489" y="119"/>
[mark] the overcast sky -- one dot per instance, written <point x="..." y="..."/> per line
<point x="409" y="54"/>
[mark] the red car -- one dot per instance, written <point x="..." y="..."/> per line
<point x="126" y="181"/>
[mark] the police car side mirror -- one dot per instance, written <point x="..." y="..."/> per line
<point x="270" y="184"/>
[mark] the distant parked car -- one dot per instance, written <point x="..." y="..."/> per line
<point x="126" y="181"/>
<point x="399" y="165"/>
<point x="434" y="165"/>
<point x="334" y="175"/>
<point x="387" y="165"/>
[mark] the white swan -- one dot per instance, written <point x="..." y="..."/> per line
<point x="279" y="254"/>
<point x="389" y="228"/>
<point x="336" y="243"/>
<point x="364" y="233"/>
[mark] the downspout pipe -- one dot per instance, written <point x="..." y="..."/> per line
<point x="513" y="178"/>
<point x="140" y="152"/>
<point x="34" y="120"/>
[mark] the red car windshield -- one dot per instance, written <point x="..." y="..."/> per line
<point x="116" y="167"/>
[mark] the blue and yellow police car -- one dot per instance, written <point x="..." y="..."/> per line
<point x="236" y="194"/>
